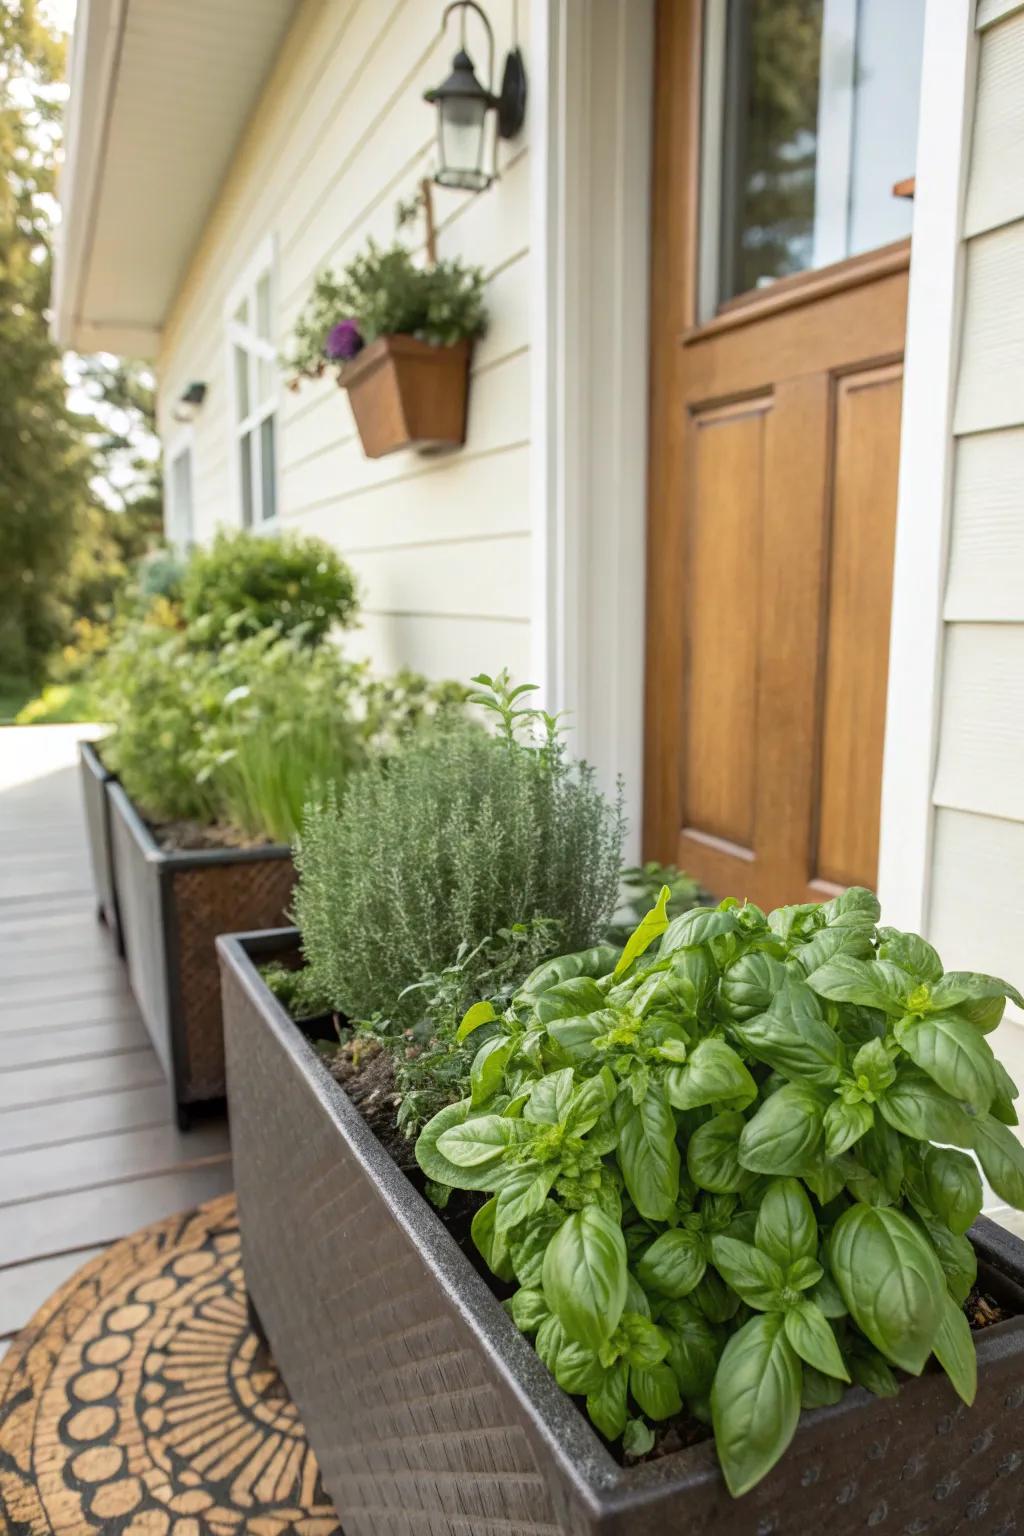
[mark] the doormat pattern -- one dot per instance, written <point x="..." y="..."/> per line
<point x="138" y="1401"/>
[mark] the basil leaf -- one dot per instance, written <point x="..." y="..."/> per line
<point x="475" y="1143"/>
<point x="713" y="1074"/>
<point x="693" y="1348"/>
<point x="872" y="983"/>
<point x="596" y="961"/>
<point x="845" y="1124"/>
<point x="550" y="1097"/>
<point x="575" y="1037"/>
<point x="575" y="1367"/>
<point x="955" y="1254"/>
<point x="808" y="1330"/>
<point x="696" y="927"/>
<point x="491" y="1243"/>
<point x="958" y="987"/>
<point x="528" y="1309"/>
<point x="952" y="1186"/>
<point x="826" y="1294"/>
<point x="712" y="1155"/>
<point x="917" y="1107"/>
<point x="650" y="927"/>
<point x="715" y="1299"/>
<point x="642" y="1342"/>
<point x="881" y="1150"/>
<point x="785" y="1133"/>
<point x="870" y="1371"/>
<point x="786" y="1226"/>
<point x="523" y="1194"/>
<point x="589" y="1102"/>
<point x="606" y="1404"/>
<point x="1002" y="1158"/>
<point x="955" y="1352"/>
<point x="438" y="1168"/>
<point x="656" y="1390"/>
<point x="572" y="999"/>
<point x="855" y="905"/>
<point x="649" y="1158"/>
<point x="829" y="942"/>
<point x="488" y="1069"/>
<point x="891" y="1282"/>
<point x="748" y="985"/>
<point x="792" y="1036"/>
<point x="757" y="1279"/>
<point x="584" y="1276"/>
<point x="953" y="1054"/>
<point x="755" y="1401"/>
<point x="637" y="1438"/>
<point x="673" y="1265"/>
<point x="528" y="1245"/>
<point x="910" y="952"/>
<point x="480" y="1013"/>
<point x="819" y="1390"/>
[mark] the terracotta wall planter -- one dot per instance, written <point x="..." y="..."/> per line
<point x="432" y="1416"/>
<point x="173" y="905"/>
<point x="94" y="778"/>
<point x="408" y="394"/>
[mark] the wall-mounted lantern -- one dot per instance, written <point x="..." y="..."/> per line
<point x="188" y="405"/>
<point x="466" y="151"/>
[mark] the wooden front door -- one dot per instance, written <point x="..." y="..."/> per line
<point x="775" y="419"/>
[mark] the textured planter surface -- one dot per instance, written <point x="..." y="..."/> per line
<point x="173" y="905"/>
<point x="406" y="393"/>
<point x="97" y="826"/>
<point x="431" y="1415"/>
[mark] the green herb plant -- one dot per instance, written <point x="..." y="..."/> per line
<point x="641" y="886"/>
<point x="730" y="1168"/>
<point x="244" y="582"/>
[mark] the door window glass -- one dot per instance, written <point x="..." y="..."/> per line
<point x="809" y="119"/>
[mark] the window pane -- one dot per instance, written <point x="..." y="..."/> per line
<point x="267" y="469"/>
<point x="242" y="313"/>
<point x="263" y="307"/>
<point x="809" y="119"/>
<point x="265" y="379"/>
<point x="242" y="402"/>
<point x="245" y="468"/>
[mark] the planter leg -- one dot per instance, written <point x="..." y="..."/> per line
<point x="183" y="1115"/>
<point x="255" y="1321"/>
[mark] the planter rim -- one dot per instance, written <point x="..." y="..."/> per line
<point x="588" y="1466"/>
<point x="184" y="858"/>
<point x="88" y="755"/>
<point x="397" y="344"/>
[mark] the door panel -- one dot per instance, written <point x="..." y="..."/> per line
<point x="866" y="461"/>
<point x="773" y="465"/>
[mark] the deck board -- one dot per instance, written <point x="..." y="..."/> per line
<point x="89" y="1150"/>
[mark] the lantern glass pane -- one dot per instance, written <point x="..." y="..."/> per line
<point x="462" y="138"/>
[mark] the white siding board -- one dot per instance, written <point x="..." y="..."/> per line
<point x="995" y="191"/>
<point x="990" y="391"/>
<point x="981" y="751"/>
<point x="986" y="561"/>
<point x="440" y="543"/>
<point x="991" y="11"/>
<point x="977" y="913"/>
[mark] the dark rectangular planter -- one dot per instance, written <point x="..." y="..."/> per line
<point x="173" y="905"/>
<point x="95" y="778"/>
<point x="431" y="1414"/>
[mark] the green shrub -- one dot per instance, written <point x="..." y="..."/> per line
<point x="736" y="1177"/>
<point x="57" y="704"/>
<point x="460" y="835"/>
<point x="384" y="293"/>
<point x="245" y="582"/>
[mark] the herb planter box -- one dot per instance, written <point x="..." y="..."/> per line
<point x="173" y="904"/>
<point x="406" y="393"/>
<point x="432" y="1415"/>
<point x="95" y="779"/>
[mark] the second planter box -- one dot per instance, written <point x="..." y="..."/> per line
<point x="173" y="904"/>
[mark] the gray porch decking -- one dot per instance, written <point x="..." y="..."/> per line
<point x="88" y="1146"/>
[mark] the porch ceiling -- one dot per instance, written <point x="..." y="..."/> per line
<point x="160" y="93"/>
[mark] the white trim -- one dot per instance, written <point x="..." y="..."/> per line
<point x="926" y="463"/>
<point x="991" y="11"/>
<point x="591" y="130"/>
<point x="263" y="261"/>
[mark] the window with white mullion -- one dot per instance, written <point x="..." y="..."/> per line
<point x="254" y="385"/>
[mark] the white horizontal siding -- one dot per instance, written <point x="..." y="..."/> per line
<point x="991" y="11"/>
<point x="978" y="900"/>
<point x="990" y="391"/>
<point x="981" y="747"/>
<point x="440" y="544"/>
<point x="986" y="562"/>
<point x="995" y="189"/>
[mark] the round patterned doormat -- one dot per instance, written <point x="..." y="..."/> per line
<point x="138" y="1402"/>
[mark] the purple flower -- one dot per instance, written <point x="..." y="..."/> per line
<point x="343" y="341"/>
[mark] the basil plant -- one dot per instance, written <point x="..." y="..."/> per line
<point x="732" y="1168"/>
